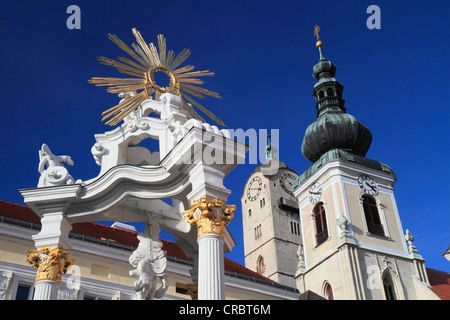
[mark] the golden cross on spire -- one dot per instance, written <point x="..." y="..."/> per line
<point x="316" y="34"/>
<point x="316" y="31"/>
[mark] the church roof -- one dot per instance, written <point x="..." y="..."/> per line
<point x="107" y="235"/>
<point x="333" y="128"/>
<point x="439" y="283"/>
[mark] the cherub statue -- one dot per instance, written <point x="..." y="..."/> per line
<point x="55" y="174"/>
<point x="150" y="263"/>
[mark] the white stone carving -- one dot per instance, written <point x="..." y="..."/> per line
<point x="68" y="294"/>
<point x="150" y="263"/>
<point x="5" y="282"/>
<point x="413" y="252"/>
<point x="97" y="151"/>
<point x="301" y="259"/>
<point x="131" y="184"/>
<point x="55" y="174"/>
<point x="172" y="124"/>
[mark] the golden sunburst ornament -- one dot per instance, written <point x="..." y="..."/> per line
<point x="150" y="60"/>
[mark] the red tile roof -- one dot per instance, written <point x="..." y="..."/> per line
<point x="96" y="230"/>
<point x="439" y="283"/>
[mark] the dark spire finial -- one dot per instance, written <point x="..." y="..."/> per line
<point x="270" y="149"/>
<point x="333" y="128"/>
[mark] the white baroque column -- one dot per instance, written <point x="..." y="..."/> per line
<point x="51" y="256"/>
<point x="211" y="282"/>
<point x="210" y="216"/>
<point x="46" y="290"/>
<point x="51" y="263"/>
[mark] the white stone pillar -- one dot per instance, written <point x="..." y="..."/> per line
<point x="51" y="263"/>
<point x="46" y="290"/>
<point x="50" y="257"/>
<point x="210" y="216"/>
<point x="211" y="282"/>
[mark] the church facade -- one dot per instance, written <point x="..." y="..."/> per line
<point x="336" y="230"/>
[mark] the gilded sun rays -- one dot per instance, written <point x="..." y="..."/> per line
<point x="148" y="61"/>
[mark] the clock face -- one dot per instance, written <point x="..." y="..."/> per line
<point x="367" y="185"/>
<point x="286" y="181"/>
<point x="315" y="193"/>
<point x="254" y="189"/>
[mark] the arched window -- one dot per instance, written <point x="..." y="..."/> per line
<point x="372" y="216"/>
<point x="321" y="223"/>
<point x="328" y="292"/>
<point x="249" y="212"/>
<point x="260" y="265"/>
<point x="388" y="286"/>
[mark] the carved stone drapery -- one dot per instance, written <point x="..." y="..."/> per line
<point x="211" y="216"/>
<point x="50" y="263"/>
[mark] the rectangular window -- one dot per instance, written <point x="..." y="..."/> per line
<point x="23" y="292"/>
<point x="295" y="228"/>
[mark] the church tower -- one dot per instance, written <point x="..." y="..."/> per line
<point x="353" y="243"/>
<point x="271" y="221"/>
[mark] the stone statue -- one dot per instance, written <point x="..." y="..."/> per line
<point x="150" y="263"/>
<point x="409" y="239"/>
<point x="301" y="258"/>
<point x="55" y="174"/>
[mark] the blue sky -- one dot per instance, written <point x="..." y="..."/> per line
<point x="395" y="82"/>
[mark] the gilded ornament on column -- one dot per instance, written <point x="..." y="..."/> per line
<point x="50" y="263"/>
<point x="211" y="216"/>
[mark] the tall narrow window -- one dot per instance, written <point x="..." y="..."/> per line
<point x="372" y="216"/>
<point x="260" y="265"/>
<point x="321" y="223"/>
<point x="388" y="287"/>
<point x="328" y="292"/>
<point x="258" y="232"/>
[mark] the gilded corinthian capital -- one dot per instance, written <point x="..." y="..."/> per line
<point x="211" y="216"/>
<point x="50" y="263"/>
